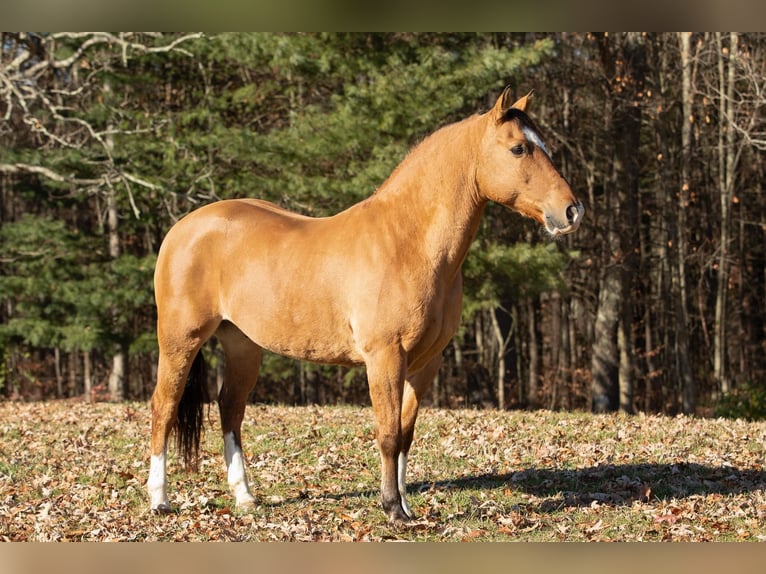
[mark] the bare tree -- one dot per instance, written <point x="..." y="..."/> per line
<point x="46" y="83"/>
<point x="678" y="271"/>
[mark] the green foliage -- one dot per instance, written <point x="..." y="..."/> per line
<point x="40" y="268"/>
<point x="63" y="290"/>
<point x="496" y="273"/>
<point x="315" y="122"/>
<point x="278" y="368"/>
<point x="747" y="402"/>
<point x="336" y="150"/>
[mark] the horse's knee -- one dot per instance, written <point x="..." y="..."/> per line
<point x="389" y="443"/>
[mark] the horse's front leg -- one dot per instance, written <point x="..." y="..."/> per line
<point x="415" y="387"/>
<point x="385" y="374"/>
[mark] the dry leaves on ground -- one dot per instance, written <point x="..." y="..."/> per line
<point x="75" y="471"/>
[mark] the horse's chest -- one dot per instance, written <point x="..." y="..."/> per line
<point x="433" y="324"/>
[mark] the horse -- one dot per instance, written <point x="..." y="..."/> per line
<point x="378" y="285"/>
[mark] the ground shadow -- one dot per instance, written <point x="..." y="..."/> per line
<point x="615" y="485"/>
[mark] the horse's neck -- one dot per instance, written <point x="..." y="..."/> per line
<point x="433" y="195"/>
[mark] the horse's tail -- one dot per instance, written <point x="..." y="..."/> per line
<point x="189" y="421"/>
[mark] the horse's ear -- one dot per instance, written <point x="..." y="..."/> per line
<point x="521" y="103"/>
<point x="505" y="102"/>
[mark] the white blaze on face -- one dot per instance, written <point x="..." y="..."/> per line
<point x="534" y="138"/>
<point x="235" y="465"/>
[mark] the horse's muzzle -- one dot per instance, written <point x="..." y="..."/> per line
<point x="574" y="214"/>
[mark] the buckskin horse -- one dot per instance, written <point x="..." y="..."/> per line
<point x="378" y="284"/>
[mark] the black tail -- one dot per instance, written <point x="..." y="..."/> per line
<point x="189" y="421"/>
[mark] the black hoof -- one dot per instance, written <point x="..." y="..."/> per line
<point x="162" y="509"/>
<point x="398" y="516"/>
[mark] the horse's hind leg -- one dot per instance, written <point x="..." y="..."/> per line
<point x="243" y="361"/>
<point x="415" y="387"/>
<point x="173" y="368"/>
<point x="171" y="376"/>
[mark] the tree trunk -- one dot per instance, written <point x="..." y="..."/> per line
<point x="72" y="374"/>
<point x="59" y="378"/>
<point x="119" y="359"/>
<point x="519" y="363"/>
<point x="625" y="343"/>
<point x="678" y="283"/>
<point x="86" y="376"/>
<point x="628" y="122"/>
<point x="557" y="336"/>
<point x="502" y="346"/>
<point x="624" y="62"/>
<point x="533" y="397"/>
<point x="449" y="391"/>
<point x="726" y="160"/>
<point x="604" y="361"/>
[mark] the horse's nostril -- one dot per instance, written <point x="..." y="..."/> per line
<point x="571" y="213"/>
<point x="574" y="213"/>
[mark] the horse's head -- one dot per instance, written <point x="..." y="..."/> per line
<point x="515" y="169"/>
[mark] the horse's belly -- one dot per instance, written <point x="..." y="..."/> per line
<point x="314" y="334"/>
<point x="315" y="351"/>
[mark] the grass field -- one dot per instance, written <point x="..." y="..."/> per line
<point x="73" y="471"/>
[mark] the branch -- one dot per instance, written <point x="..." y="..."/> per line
<point x="20" y="79"/>
<point x="97" y="38"/>
<point x="30" y="89"/>
<point x="139" y="181"/>
<point x="16" y="168"/>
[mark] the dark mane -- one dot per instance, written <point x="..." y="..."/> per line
<point x="517" y="115"/>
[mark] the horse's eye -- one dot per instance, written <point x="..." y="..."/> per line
<point x="518" y="150"/>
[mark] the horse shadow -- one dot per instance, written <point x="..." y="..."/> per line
<point x="553" y="489"/>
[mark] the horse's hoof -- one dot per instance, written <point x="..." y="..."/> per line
<point x="398" y="517"/>
<point x="246" y="504"/>
<point x="162" y="508"/>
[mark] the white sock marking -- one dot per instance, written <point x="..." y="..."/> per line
<point x="402" y="479"/>
<point x="157" y="484"/>
<point x="235" y="466"/>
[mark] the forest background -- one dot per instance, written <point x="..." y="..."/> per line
<point x="656" y="304"/>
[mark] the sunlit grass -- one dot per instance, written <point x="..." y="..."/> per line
<point x="72" y="471"/>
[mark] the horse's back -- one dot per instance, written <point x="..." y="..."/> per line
<point x="238" y="211"/>
<point x="250" y="207"/>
